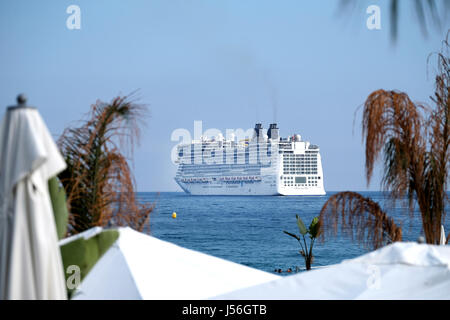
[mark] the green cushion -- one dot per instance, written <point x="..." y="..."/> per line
<point x="86" y="253"/>
<point x="58" y="199"/>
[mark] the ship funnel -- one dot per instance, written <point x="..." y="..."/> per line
<point x="273" y="132"/>
<point x="258" y="131"/>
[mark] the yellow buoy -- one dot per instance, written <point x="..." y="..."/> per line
<point x="174" y="215"/>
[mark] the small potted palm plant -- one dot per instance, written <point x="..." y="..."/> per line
<point x="313" y="232"/>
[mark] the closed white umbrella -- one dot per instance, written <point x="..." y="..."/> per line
<point x="139" y="266"/>
<point x="30" y="260"/>
<point x="443" y="239"/>
<point x="397" y="271"/>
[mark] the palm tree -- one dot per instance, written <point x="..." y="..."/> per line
<point x="98" y="180"/>
<point x="415" y="143"/>
<point x="428" y="12"/>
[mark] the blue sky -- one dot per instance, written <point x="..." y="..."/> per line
<point x="226" y="63"/>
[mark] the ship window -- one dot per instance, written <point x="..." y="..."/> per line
<point x="300" y="179"/>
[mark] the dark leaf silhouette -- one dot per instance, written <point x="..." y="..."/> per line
<point x="292" y="235"/>
<point x="429" y="13"/>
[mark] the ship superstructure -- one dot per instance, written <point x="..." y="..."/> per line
<point x="264" y="164"/>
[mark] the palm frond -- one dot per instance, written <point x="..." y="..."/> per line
<point x="394" y="19"/>
<point x="393" y="123"/>
<point x="360" y="218"/>
<point x="98" y="180"/>
<point x="438" y="157"/>
<point x="415" y="143"/>
<point x="430" y="13"/>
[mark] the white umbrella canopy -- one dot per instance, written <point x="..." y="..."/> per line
<point x="30" y="260"/>
<point x="139" y="266"/>
<point x="398" y="271"/>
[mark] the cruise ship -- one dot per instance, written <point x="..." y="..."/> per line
<point x="264" y="164"/>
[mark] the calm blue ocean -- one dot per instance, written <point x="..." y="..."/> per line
<point x="249" y="230"/>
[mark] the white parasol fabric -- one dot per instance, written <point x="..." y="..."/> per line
<point x="398" y="271"/>
<point x="30" y="260"/>
<point x="443" y="240"/>
<point x="139" y="266"/>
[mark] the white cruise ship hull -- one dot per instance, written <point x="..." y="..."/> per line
<point x="237" y="189"/>
<point x="248" y="189"/>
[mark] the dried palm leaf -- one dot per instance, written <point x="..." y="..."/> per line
<point x="360" y="218"/>
<point x="98" y="181"/>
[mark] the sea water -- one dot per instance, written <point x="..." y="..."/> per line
<point x="249" y="229"/>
